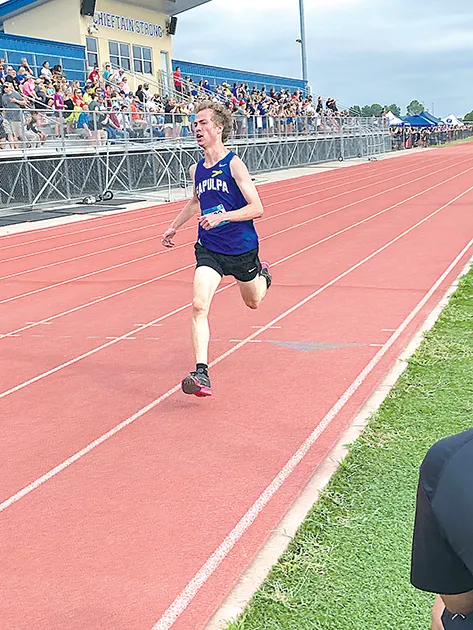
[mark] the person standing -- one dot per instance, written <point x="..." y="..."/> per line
<point x="442" y="550"/>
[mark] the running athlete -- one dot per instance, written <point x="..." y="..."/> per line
<point x="227" y="242"/>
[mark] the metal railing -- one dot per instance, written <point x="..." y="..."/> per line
<point x="33" y="130"/>
<point x="82" y="163"/>
<point x="403" y="138"/>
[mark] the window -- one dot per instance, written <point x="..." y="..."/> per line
<point x="92" y="51"/>
<point x="142" y="60"/>
<point x="119" y="55"/>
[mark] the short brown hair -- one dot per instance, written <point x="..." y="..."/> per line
<point x="220" y="116"/>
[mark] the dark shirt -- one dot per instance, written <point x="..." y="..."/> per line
<point x="168" y="116"/>
<point x="442" y="554"/>
<point x="12" y="110"/>
<point x="14" y="80"/>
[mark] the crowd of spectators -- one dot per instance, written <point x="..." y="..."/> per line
<point x="106" y="108"/>
<point x="406" y="137"/>
<point x="285" y="110"/>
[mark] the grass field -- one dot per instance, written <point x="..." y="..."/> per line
<point x="450" y="144"/>
<point x="348" y="567"/>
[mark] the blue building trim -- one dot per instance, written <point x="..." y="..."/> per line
<point x="15" y="7"/>
<point x="72" y="57"/>
<point x="216" y="75"/>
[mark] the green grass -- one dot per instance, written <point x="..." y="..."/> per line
<point x="452" y="143"/>
<point x="348" y="567"/>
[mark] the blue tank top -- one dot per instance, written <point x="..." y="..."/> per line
<point x="218" y="192"/>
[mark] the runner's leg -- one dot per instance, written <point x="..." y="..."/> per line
<point x="206" y="281"/>
<point x="254" y="291"/>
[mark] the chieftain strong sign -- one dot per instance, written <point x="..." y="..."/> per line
<point x="122" y="23"/>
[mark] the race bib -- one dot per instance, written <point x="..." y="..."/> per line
<point x="216" y="210"/>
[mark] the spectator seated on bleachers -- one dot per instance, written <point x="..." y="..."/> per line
<point x="106" y="108"/>
<point x="34" y="137"/>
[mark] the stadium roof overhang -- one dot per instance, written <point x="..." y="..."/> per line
<point x="169" y="7"/>
<point x="11" y="8"/>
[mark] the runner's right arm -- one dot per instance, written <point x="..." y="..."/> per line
<point x="191" y="208"/>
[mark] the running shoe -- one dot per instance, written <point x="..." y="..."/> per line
<point x="197" y="383"/>
<point x="265" y="273"/>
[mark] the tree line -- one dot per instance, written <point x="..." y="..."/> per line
<point x="414" y="107"/>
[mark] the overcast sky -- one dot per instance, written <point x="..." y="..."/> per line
<point x="359" y="51"/>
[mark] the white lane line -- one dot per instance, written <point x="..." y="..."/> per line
<point x="158" y="214"/>
<point x="181" y="602"/>
<point x="181" y="308"/>
<point x="64" y="282"/>
<point x="107" y="297"/>
<point x="89" y="240"/>
<point x="311" y="204"/>
<point x="81" y="257"/>
<point x="46" y="323"/>
<point x="316" y="218"/>
<point x="89" y="229"/>
<point x="92" y="273"/>
<point x="214" y="561"/>
<point x="372" y="176"/>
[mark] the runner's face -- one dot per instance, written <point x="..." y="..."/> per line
<point x="207" y="133"/>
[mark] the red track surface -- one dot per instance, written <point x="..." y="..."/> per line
<point x="121" y="498"/>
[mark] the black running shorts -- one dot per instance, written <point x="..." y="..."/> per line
<point x="457" y="622"/>
<point x="244" y="267"/>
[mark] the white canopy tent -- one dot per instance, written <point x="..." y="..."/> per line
<point x="393" y="120"/>
<point x="452" y="120"/>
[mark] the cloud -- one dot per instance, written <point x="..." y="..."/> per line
<point x="359" y="51"/>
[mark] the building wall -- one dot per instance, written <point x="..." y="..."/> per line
<point x="72" y="57"/>
<point x="57" y="20"/>
<point x="60" y="21"/>
<point x="135" y="26"/>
